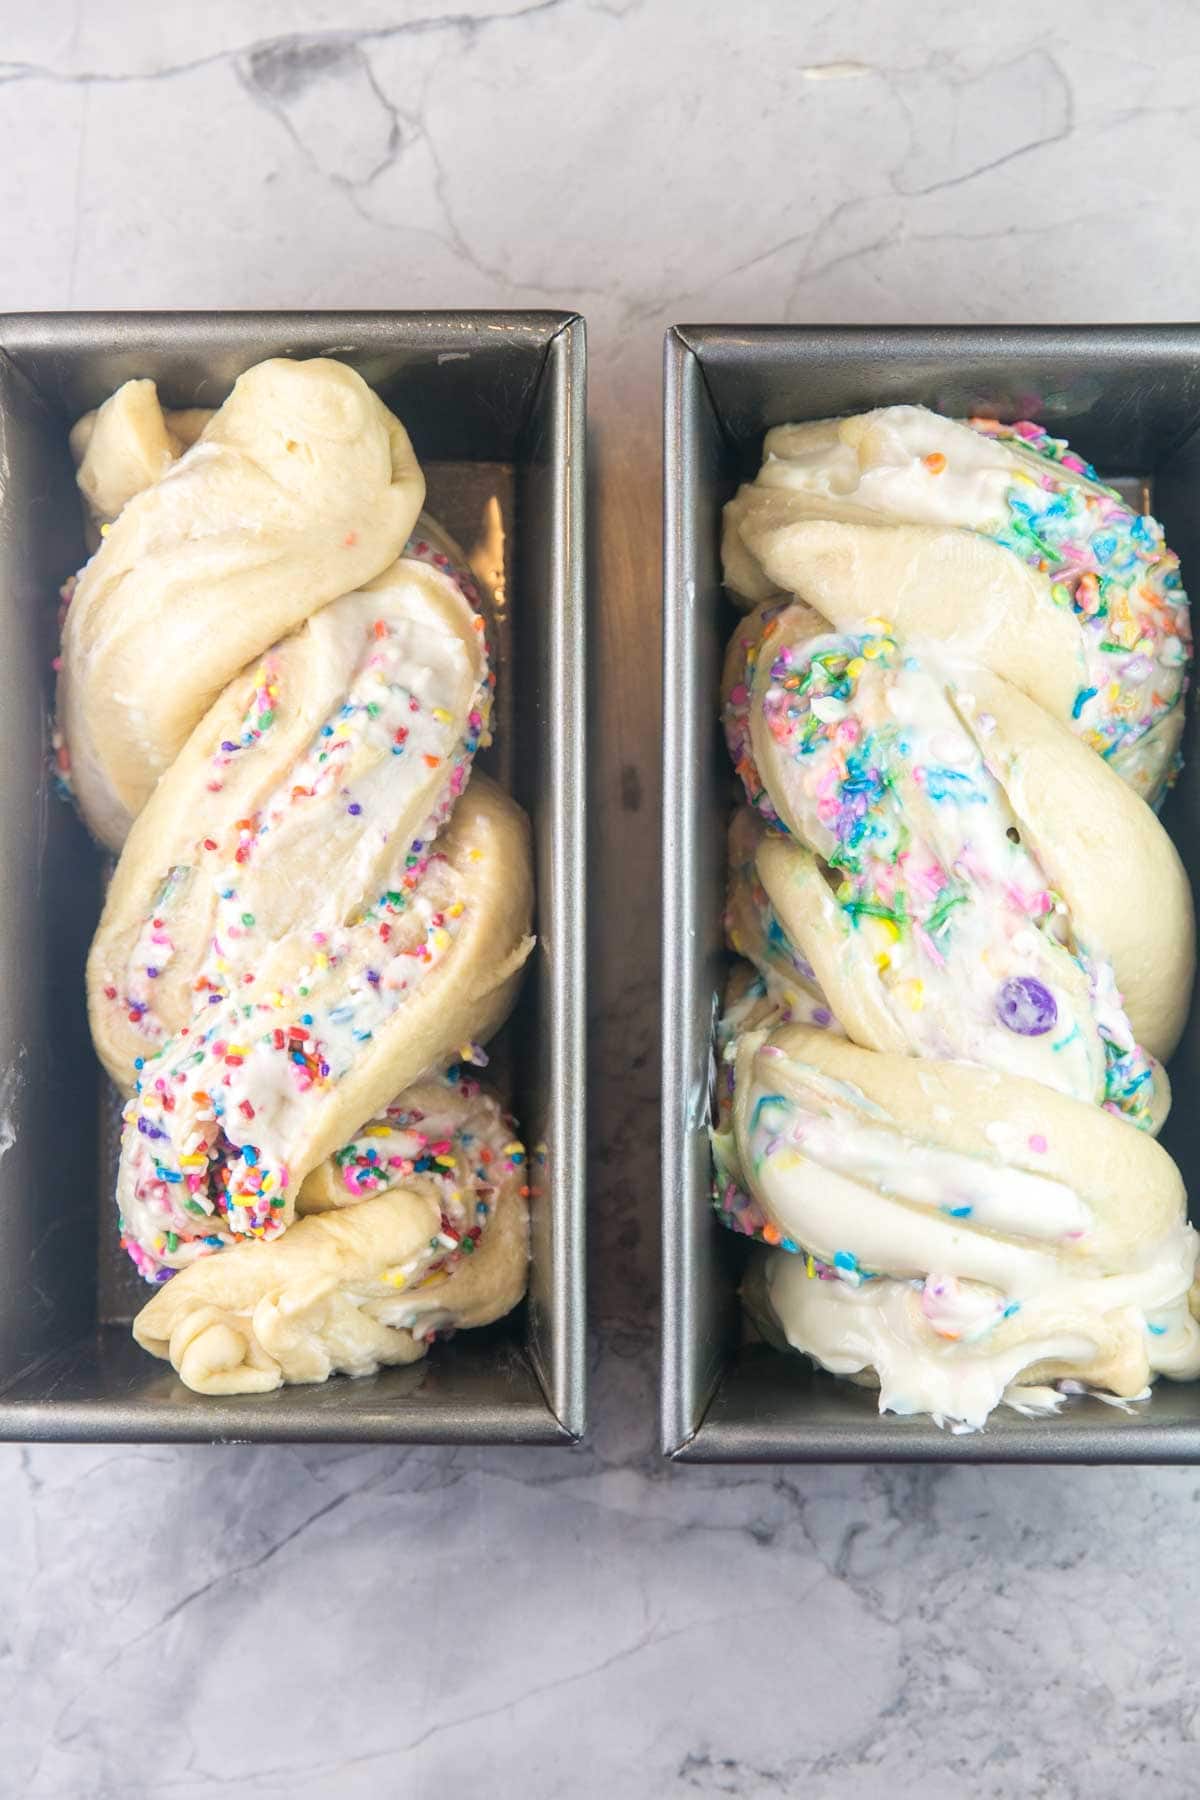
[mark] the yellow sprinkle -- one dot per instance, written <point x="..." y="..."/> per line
<point x="855" y="667"/>
<point x="444" y="1162"/>
<point x="874" y="648"/>
<point x="914" y="993"/>
<point x="475" y="855"/>
<point x="104" y="530"/>
<point x="376" y="1130"/>
<point x="322" y="960"/>
<point x="440" y="939"/>
<point x="454" y="912"/>
<point x="810" y="1267"/>
<point x="887" y="929"/>
<point x="882" y="626"/>
<point x="735" y="938"/>
<point x="441" y="715"/>
<point x="192" y="1162"/>
<point x="883" y="962"/>
<point x="394" y="1277"/>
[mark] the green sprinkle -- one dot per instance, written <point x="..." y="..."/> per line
<point x="943" y="909"/>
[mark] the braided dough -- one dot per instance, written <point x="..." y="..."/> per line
<point x="313" y="911"/>
<point x="439" y="1243"/>
<point x="998" y="543"/>
<point x="299" y="489"/>
<point x="979" y="934"/>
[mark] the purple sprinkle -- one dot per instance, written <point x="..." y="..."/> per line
<point x="152" y="974"/>
<point x="226" y="745"/>
<point x="1026" y="1006"/>
<point x="354" y="808"/>
<point x="214" y="999"/>
<point x="822" y="1015"/>
<point x="418" y="844"/>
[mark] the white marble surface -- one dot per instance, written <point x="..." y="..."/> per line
<point x="320" y="1623"/>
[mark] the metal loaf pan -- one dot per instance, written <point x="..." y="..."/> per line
<point x="1129" y="400"/>
<point x="495" y="404"/>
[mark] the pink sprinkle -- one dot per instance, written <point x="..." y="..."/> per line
<point x="1037" y="1142"/>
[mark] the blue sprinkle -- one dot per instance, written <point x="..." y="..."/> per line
<point x="1158" y="1330"/>
<point x="958" y="1212"/>
<point x="845" y="1259"/>
<point x="766" y="1100"/>
<point x="1014" y="1306"/>
<point x="951" y="784"/>
<point x="1103" y="545"/>
<point x="306" y="1018"/>
<point x="1081" y="700"/>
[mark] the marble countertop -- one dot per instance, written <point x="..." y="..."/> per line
<point x="297" y="1624"/>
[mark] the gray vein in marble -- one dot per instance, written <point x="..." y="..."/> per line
<point x="307" y="52"/>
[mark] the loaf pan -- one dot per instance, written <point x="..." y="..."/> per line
<point x="1129" y="401"/>
<point x="495" y="405"/>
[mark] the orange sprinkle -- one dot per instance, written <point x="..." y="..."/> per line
<point x="771" y="1234"/>
<point x="350" y="539"/>
<point x="379" y="628"/>
<point x="431" y="762"/>
<point x="935" y="462"/>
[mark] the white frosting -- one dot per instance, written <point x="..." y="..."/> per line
<point x="872" y="466"/>
<point x="881" y="1326"/>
